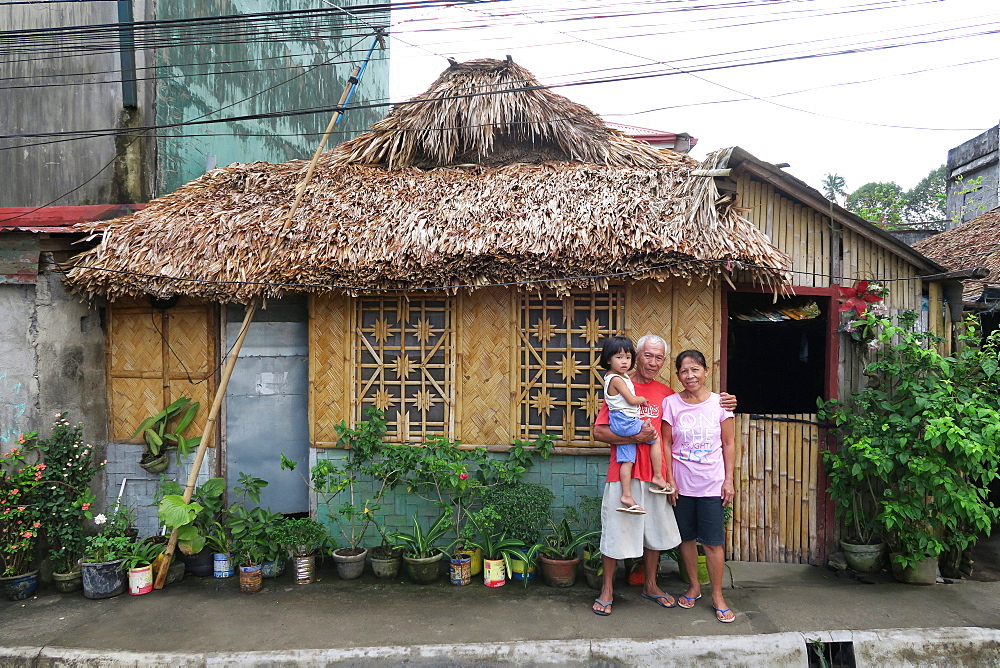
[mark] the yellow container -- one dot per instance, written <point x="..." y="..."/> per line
<point x="477" y="560"/>
<point x="494" y="573"/>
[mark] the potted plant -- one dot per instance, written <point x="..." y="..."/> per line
<point x="457" y="479"/>
<point x="249" y="556"/>
<point x="919" y="429"/>
<point x="102" y="567"/>
<point x="559" y="553"/>
<point x="336" y="481"/>
<point x="499" y="549"/>
<point x="855" y="492"/>
<point x="585" y="515"/>
<point x="221" y="545"/>
<point x="420" y="553"/>
<point x="523" y="510"/>
<point x="302" y="538"/>
<point x="20" y="526"/>
<point x="246" y="521"/>
<point x="193" y="520"/>
<point x="138" y="561"/>
<point x="159" y="435"/>
<point x="64" y="499"/>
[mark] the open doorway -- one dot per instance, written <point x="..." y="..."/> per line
<point x="777" y="352"/>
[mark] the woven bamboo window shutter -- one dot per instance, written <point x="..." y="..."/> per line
<point x="155" y="356"/>
<point x="405" y="365"/>
<point x="560" y="380"/>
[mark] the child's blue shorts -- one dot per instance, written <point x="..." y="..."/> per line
<point x="625" y="426"/>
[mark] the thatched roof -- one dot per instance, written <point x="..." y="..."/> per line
<point x="974" y="243"/>
<point x="458" y="190"/>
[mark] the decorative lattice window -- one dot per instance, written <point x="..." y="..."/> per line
<point x="560" y="376"/>
<point x="404" y="361"/>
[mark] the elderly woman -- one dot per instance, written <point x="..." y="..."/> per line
<point x="699" y="434"/>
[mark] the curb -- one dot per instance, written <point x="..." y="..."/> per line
<point x="956" y="646"/>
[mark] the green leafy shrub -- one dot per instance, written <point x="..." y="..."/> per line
<point x="921" y="441"/>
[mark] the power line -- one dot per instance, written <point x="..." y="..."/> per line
<point x="142" y="132"/>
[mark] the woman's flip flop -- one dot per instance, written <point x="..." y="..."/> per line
<point x="719" y="613"/>
<point x="690" y="601"/>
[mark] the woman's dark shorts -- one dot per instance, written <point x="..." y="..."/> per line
<point x="700" y="518"/>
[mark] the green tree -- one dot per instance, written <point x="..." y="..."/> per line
<point x="834" y="187"/>
<point x="925" y="203"/>
<point x="883" y="203"/>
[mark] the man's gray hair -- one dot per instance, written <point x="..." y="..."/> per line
<point x="647" y="339"/>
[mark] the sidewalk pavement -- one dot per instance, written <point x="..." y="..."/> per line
<point x="780" y="610"/>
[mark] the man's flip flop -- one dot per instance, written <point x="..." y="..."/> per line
<point x="634" y="509"/>
<point x="656" y="600"/>
<point x="719" y="613"/>
<point x="690" y="601"/>
<point x="605" y="612"/>
<point x="661" y="490"/>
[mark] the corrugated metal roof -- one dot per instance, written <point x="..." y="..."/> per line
<point x="59" y="219"/>
<point x="21" y="226"/>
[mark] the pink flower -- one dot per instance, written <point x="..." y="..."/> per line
<point x="463" y="476"/>
<point x="41" y="466"/>
<point x="85" y="506"/>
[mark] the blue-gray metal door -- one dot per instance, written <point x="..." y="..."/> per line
<point x="267" y="402"/>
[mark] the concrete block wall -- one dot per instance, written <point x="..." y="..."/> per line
<point x="571" y="478"/>
<point x="141" y="486"/>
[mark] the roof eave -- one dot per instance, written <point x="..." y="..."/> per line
<point x="798" y="189"/>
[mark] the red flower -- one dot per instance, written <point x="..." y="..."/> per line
<point x="463" y="476"/>
<point x="857" y="298"/>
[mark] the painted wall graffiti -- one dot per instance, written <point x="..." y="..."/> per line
<point x="12" y="410"/>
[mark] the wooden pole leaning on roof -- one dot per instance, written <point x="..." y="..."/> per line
<point x="220" y="393"/>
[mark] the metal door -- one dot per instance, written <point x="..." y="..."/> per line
<point x="267" y="402"/>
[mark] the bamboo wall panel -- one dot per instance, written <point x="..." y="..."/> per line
<point x="649" y="310"/>
<point x="484" y="408"/>
<point x="696" y="308"/>
<point x="155" y="356"/>
<point x="330" y="371"/>
<point x="777" y="502"/>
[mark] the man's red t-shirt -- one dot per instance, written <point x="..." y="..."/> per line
<point x="655" y="392"/>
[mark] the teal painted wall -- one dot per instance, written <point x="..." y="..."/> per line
<point x="198" y="80"/>
<point x="570" y="477"/>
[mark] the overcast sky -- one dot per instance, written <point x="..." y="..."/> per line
<point x="876" y="114"/>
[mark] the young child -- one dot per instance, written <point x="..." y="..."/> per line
<point x="618" y="358"/>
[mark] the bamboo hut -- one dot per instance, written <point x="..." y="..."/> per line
<point x="461" y="262"/>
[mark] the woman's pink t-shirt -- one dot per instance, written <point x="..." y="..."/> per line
<point x="699" y="469"/>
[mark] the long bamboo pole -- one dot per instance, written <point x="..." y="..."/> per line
<point x="220" y="393"/>
<point x="199" y="457"/>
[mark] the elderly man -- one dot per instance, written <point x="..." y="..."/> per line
<point x="624" y="535"/>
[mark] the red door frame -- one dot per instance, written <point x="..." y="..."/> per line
<point x="825" y="520"/>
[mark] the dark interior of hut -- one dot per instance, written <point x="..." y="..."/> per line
<point x="776" y="352"/>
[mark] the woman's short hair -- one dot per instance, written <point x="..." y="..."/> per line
<point x="614" y="345"/>
<point x="693" y="354"/>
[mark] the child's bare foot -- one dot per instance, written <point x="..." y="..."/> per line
<point x="628" y="501"/>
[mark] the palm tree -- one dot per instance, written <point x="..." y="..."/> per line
<point x="834" y="187"/>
